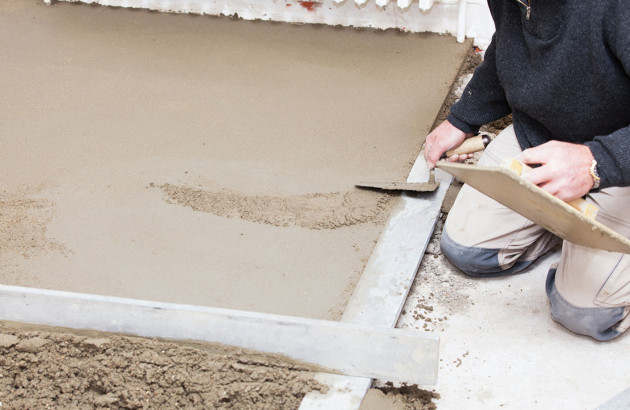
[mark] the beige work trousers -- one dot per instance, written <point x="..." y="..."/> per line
<point x="589" y="289"/>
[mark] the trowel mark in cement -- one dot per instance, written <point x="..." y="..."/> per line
<point x="312" y="211"/>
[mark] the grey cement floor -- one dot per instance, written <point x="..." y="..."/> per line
<point x="499" y="347"/>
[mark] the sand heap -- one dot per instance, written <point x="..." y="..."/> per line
<point x="44" y="369"/>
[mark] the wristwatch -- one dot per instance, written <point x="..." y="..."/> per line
<point x="593" y="172"/>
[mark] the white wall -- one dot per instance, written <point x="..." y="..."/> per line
<point x="463" y="18"/>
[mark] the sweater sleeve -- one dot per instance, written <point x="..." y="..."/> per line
<point x="483" y="100"/>
<point x="612" y="151"/>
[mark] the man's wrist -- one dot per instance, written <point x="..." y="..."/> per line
<point x="461" y="125"/>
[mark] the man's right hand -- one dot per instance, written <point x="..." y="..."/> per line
<point x="444" y="138"/>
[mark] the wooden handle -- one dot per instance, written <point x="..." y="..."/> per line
<point x="585" y="208"/>
<point x="469" y="146"/>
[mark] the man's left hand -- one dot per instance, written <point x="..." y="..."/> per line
<point x="564" y="170"/>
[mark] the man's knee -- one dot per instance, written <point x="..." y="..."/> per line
<point x="477" y="262"/>
<point x="596" y="322"/>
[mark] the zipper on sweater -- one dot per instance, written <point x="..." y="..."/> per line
<point x="528" y="7"/>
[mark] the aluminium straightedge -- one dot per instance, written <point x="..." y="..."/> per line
<point x="346" y="348"/>
<point x="385" y="283"/>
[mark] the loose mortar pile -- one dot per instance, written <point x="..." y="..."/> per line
<point x="41" y="369"/>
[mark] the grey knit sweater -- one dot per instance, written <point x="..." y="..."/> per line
<point x="564" y="74"/>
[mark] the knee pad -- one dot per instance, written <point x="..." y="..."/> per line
<point x="477" y="262"/>
<point x="595" y="322"/>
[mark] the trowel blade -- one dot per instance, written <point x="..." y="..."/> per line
<point x="401" y="186"/>
<point x="420" y="179"/>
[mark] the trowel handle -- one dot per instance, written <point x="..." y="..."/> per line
<point x="585" y="208"/>
<point x="469" y="146"/>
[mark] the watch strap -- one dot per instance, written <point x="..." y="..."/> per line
<point x="595" y="175"/>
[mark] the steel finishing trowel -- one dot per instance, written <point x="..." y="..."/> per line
<point x="420" y="172"/>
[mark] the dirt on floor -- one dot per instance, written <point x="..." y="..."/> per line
<point x="404" y="397"/>
<point x="43" y="369"/>
<point x="64" y="369"/>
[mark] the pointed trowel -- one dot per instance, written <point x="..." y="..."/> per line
<point x="420" y="172"/>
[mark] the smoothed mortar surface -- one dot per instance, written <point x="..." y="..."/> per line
<point x="102" y="106"/>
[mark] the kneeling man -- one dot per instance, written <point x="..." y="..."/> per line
<point x="562" y="69"/>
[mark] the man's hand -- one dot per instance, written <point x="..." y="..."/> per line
<point x="564" y="170"/>
<point x="444" y="138"/>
